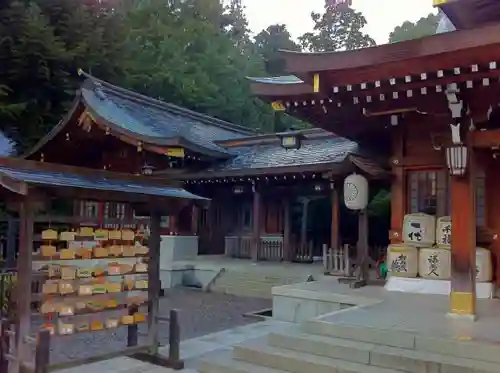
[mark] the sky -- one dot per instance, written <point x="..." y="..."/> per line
<point x="382" y="15"/>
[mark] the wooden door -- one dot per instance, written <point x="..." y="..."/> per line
<point x="212" y="223"/>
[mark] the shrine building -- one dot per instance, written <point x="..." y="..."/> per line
<point x="430" y="108"/>
<point x="273" y="197"/>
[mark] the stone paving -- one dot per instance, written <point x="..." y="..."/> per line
<point x="192" y="350"/>
<point x="200" y="314"/>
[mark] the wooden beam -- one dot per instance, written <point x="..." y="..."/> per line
<point x="485" y="139"/>
<point x="434" y="158"/>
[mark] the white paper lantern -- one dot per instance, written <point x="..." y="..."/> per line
<point x="355" y="192"/>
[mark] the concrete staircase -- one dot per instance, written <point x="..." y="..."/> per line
<point x="319" y="347"/>
<point x="253" y="283"/>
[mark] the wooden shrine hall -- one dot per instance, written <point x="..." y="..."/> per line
<point x="273" y="196"/>
<point x="430" y="107"/>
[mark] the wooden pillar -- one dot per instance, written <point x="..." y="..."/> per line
<point x="287" y="231"/>
<point x="194" y="220"/>
<point x="256" y="223"/>
<point x="398" y="187"/>
<point x="173" y="228"/>
<point x="463" y="245"/>
<point x="23" y="286"/>
<point x="303" y="227"/>
<point x="154" y="281"/>
<point x="362" y="250"/>
<point x="334" y="229"/>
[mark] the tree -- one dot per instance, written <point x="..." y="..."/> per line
<point x="31" y="72"/>
<point x="339" y="28"/>
<point x="43" y="44"/>
<point x="237" y="28"/>
<point x="268" y="43"/>
<point x="425" y="26"/>
<point x="188" y="60"/>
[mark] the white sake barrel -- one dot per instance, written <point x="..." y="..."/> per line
<point x="484" y="270"/>
<point x="419" y="230"/>
<point x="434" y="263"/>
<point x="402" y="260"/>
<point x="443" y="232"/>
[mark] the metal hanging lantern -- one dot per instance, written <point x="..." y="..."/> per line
<point x="457" y="159"/>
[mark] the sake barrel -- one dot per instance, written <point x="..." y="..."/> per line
<point x="402" y="260"/>
<point x="484" y="271"/>
<point x="419" y="230"/>
<point x="434" y="263"/>
<point x="443" y="232"/>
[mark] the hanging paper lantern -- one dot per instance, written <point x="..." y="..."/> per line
<point x="355" y="192"/>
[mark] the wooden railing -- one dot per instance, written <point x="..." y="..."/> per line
<point x="337" y="261"/>
<point x="303" y="253"/>
<point x="341" y="261"/>
<point x="271" y="248"/>
<point x="239" y="247"/>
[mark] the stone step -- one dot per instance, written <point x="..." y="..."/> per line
<point x="475" y="350"/>
<point x="299" y="362"/>
<point x="247" y="284"/>
<point x="243" y="291"/>
<point x="242" y="277"/>
<point x="224" y="363"/>
<point x="382" y="356"/>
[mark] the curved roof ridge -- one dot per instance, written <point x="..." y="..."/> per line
<point x="168" y="106"/>
<point x="308" y="133"/>
<point x="282" y="79"/>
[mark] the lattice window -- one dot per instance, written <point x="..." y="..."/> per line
<point x="429" y="192"/>
<point x="89" y="209"/>
<point x="481" y="199"/>
<point x="113" y="210"/>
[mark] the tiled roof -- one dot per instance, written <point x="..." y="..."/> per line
<point x="313" y="151"/>
<point x="64" y="179"/>
<point x="6" y="146"/>
<point x="285" y="79"/>
<point x="155" y="121"/>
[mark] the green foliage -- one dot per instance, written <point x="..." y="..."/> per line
<point x="194" y="53"/>
<point x="380" y="205"/>
<point x="337" y="29"/>
<point x="268" y="43"/>
<point x="425" y="26"/>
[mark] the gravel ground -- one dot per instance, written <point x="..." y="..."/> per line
<point x="200" y="314"/>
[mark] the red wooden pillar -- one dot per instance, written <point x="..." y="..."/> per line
<point x="256" y="223"/>
<point x="463" y="244"/>
<point x="398" y="187"/>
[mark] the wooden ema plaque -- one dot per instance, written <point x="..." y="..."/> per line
<point x="79" y="297"/>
